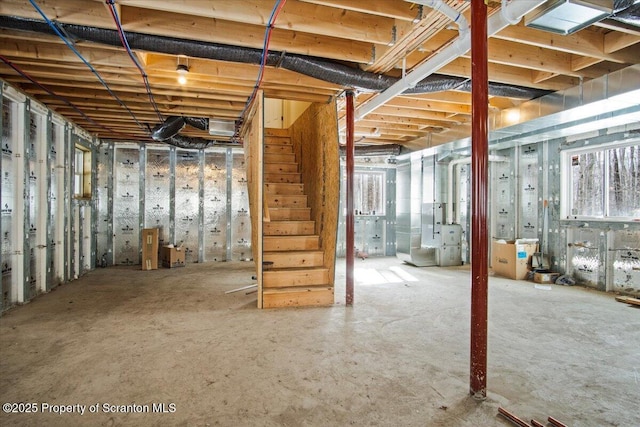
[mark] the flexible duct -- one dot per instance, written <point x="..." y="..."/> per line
<point x="171" y="126"/>
<point x="373" y="150"/>
<point x="627" y="11"/>
<point x="329" y="71"/>
<point x="192" y="143"/>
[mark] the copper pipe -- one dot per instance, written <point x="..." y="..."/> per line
<point x="508" y="415"/>
<point x="555" y="422"/>
<point x="479" y="197"/>
<point x="350" y="208"/>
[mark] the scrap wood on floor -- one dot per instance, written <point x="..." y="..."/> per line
<point x="629" y="300"/>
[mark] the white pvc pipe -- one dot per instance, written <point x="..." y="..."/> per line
<point x="458" y="47"/>
<point x="448" y="11"/>
<point x="450" y="198"/>
<point x="505" y="14"/>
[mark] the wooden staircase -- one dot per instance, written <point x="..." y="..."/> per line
<point x="298" y="276"/>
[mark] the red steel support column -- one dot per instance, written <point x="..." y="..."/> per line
<point x="479" y="193"/>
<point x="350" y="207"/>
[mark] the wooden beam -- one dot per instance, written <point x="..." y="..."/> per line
<point x="615" y="41"/>
<point x="403" y="11"/>
<point x="408" y="112"/>
<point x="541" y="76"/>
<point x="613" y="25"/>
<point x="295" y="16"/>
<point x="247" y="35"/>
<point x="508" y="74"/>
<point x="90" y="13"/>
<point x="527" y="56"/>
<point x="581" y="62"/>
<point x="235" y="71"/>
<point x="59" y="52"/>
<point x="140" y="97"/>
<point x="410" y="121"/>
<point x="583" y="43"/>
<point x="427" y="105"/>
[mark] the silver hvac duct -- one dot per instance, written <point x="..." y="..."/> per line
<point x="627" y="11"/>
<point x="322" y="69"/>
<point x="167" y="132"/>
<point x="373" y="150"/>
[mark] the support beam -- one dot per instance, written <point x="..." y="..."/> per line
<point x="479" y="170"/>
<point x="350" y="208"/>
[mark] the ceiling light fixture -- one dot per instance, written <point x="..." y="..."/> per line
<point x="182" y="71"/>
<point x="568" y="16"/>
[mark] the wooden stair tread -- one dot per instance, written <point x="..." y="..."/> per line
<point x="290" y="243"/>
<point x="281" y="167"/>
<point x="298" y="297"/>
<point x="295" y="277"/>
<point x="289" y="227"/>
<point x="278" y="148"/>
<point x="283" y="188"/>
<point x="282" y="177"/>
<point x="291" y="214"/>
<point x="296" y="289"/>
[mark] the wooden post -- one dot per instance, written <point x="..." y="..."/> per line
<point x="350" y="208"/>
<point x="479" y="169"/>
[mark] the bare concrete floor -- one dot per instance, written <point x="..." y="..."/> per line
<point x="399" y="357"/>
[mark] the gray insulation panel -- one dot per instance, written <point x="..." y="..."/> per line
<point x="187" y="203"/>
<point x="626" y="262"/>
<point x="34" y="208"/>
<point x="126" y="206"/>
<point x="584" y="256"/>
<point x="215" y="206"/>
<point x="502" y="200"/>
<point x="157" y="200"/>
<point x="102" y="189"/>
<point x="240" y="221"/>
<point x="7" y="201"/>
<point x="529" y="192"/>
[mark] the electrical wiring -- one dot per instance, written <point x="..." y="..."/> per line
<point x="55" y="95"/>
<point x="125" y="44"/>
<point x="93" y="70"/>
<point x="265" y="50"/>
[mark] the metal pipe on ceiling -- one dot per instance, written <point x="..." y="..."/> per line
<point x="458" y="47"/>
<point x="350" y="167"/>
<point x="479" y="200"/>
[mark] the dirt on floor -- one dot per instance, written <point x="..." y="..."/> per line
<point x="125" y="347"/>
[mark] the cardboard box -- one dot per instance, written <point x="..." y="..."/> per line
<point x="150" y="244"/>
<point x="172" y="257"/>
<point x="511" y="259"/>
<point x="545" y="277"/>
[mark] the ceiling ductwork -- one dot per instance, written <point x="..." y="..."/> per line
<point x="322" y="69"/>
<point x="373" y="150"/>
<point x="627" y="12"/>
<point x="167" y="132"/>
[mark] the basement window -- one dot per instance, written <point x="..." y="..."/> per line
<point x="369" y="193"/>
<point x="603" y="182"/>
<point x="82" y="173"/>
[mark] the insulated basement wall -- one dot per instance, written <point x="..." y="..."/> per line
<point x="47" y="234"/>
<point x="196" y="198"/>
<point x="528" y="187"/>
<point x="315" y="142"/>
<point x="374" y="232"/>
